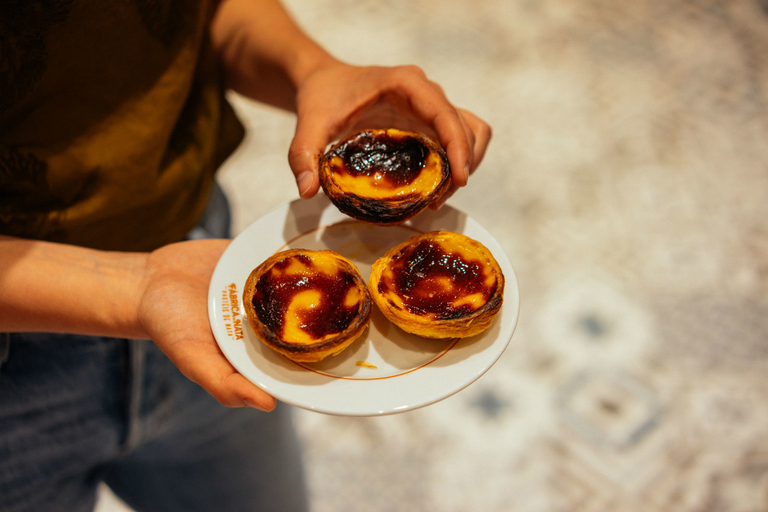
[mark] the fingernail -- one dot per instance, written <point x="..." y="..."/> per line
<point x="248" y="403"/>
<point x="466" y="173"/>
<point x="304" y="181"/>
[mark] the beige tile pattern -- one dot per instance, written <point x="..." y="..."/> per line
<point x="628" y="182"/>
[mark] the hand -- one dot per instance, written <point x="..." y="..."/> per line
<point x="173" y="311"/>
<point x="338" y="99"/>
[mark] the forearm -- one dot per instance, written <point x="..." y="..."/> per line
<point x="263" y="53"/>
<point x="48" y="287"/>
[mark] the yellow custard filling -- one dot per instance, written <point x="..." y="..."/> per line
<point x="376" y="186"/>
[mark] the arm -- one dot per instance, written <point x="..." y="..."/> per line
<point x="264" y="54"/>
<point x="160" y="295"/>
<point x="267" y="57"/>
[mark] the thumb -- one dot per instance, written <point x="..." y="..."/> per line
<point x="304" y="154"/>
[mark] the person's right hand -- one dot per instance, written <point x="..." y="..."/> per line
<point x="338" y="99"/>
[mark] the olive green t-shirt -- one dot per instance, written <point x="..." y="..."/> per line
<point x="112" y="120"/>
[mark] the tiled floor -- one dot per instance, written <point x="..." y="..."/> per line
<point x="627" y="181"/>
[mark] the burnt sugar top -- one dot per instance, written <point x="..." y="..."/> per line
<point x="432" y="278"/>
<point x="384" y="176"/>
<point x="392" y="161"/>
<point x="305" y="299"/>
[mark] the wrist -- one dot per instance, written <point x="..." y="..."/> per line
<point x="53" y="287"/>
<point x="123" y="282"/>
<point x="264" y="54"/>
<point x="305" y="63"/>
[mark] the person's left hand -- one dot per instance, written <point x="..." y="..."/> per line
<point x="173" y="311"/>
<point x="339" y="99"/>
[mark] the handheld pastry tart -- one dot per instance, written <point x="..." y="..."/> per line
<point x="306" y="304"/>
<point x="384" y="176"/>
<point x="438" y="285"/>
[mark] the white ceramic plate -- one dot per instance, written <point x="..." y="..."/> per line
<point x="386" y="370"/>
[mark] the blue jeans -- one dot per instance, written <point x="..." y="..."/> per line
<point x="79" y="410"/>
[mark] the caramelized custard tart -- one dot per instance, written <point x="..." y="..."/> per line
<point x="438" y="285"/>
<point x="306" y="304"/>
<point x="384" y="176"/>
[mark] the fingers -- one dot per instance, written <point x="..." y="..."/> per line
<point x="454" y="140"/>
<point x="463" y="135"/>
<point x="241" y="392"/>
<point x="481" y="136"/>
<point x="303" y="157"/>
<point x="201" y="361"/>
<point x="219" y="378"/>
<point x="233" y="390"/>
<point x="430" y="104"/>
